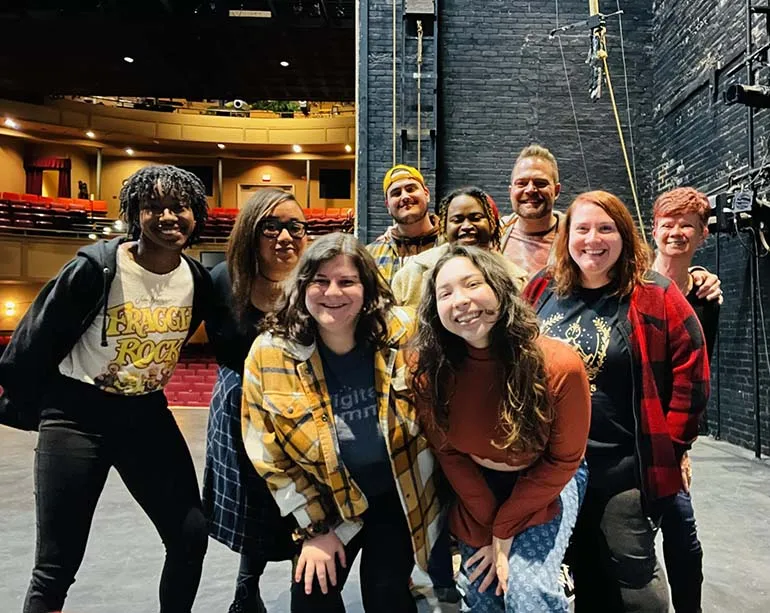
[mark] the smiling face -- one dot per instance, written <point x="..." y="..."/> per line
<point x="166" y="223"/>
<point x="594" y="243"/>
<point x="678" y="236"/>
<point x="278" y="256"/>
<point x="407" y="201"/>
<point x="334" y="298"/>
<point x="467" y="305"/>
<point x="466" y="222"/>
<point x="534" y="188"/>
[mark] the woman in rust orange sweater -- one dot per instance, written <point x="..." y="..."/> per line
<point x="507" y="412"/>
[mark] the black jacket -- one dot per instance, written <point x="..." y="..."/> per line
<point x="58" y="317"/>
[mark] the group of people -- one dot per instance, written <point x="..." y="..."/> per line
<point x="520" y="390"/>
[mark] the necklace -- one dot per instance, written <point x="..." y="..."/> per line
<point x="264" y="276"/>
<point x="544" y="232"/>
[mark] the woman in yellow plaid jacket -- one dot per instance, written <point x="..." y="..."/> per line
<point x="329" y="423"/>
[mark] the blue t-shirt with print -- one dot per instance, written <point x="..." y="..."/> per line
<point x="350" y="380"/>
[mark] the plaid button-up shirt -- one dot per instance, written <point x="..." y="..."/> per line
<point x="290" y="438"/>
<point x="670" y="381"/>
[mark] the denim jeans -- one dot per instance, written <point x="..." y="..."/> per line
<point x="612" y="557"/>
<point x="85" y="434"/>
<point x="387" y="560"/>
<point x="683" y="555"/>
<point x="534" y="562"/>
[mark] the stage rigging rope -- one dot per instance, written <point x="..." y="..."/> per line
<point x="602" y="55"/>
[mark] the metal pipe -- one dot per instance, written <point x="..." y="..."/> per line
<point x="220" y="187"/>
<point x="307" y="182"/>
<point x="99" y="173"/>
<point x="362" y="121"/>
<point x="754" y="272"/>
<point x="718" y="434"/>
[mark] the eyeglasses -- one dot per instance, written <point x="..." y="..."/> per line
<point x="272" y="228"/>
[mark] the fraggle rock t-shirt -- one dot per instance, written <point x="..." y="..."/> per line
<point x="148" y="319"/>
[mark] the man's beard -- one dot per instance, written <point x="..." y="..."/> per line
<point x="411" y="218"/>
<point x="525" y="210"/>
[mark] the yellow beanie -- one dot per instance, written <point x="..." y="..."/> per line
<point x="398" y="172"/>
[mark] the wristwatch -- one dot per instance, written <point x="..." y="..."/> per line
<point x="315" y="529"/>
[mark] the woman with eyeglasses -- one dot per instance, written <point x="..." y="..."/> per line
<point x="269" y="236"/>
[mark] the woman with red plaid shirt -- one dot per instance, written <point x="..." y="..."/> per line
<point x="647" y="365"/>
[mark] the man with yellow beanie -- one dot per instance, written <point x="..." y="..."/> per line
<point x="415" y="230"/>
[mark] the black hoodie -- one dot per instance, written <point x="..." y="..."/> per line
<point x="56" y="320"/>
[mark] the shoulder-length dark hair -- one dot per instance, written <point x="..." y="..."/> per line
<point x="633" y="261"/>
<point x="527" y="409"/>
<point x="243" y="244"/>
<point x="292" y="320"/>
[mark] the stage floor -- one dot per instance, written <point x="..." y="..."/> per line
<point x="731" y="493"/>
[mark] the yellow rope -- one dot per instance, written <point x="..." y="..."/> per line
<point x="603" y="55"/>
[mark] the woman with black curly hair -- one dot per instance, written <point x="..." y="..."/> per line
<point x="83" y="367"/>
<point x="467" y="216"/>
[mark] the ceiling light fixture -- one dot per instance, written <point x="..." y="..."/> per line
<point x="296" y="149"/>
<point x="10" y="123"/>
<point x="221" y="145"/>
<point x="92" y="236"/>
<point x="129" y="151"/>
<point x="128" y="60"/>
<point x="348" y="148"/>
<point x="285" y="64"/>
<point x="90" y="134"/>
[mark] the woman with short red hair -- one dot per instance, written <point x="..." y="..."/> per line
<point x="679" y="227"/>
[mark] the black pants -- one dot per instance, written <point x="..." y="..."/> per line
<point x="387" y="560"/>
<point x="247" y="594"/>
<point x="85" y="432"/>
<point x="683" y="554"/>
<point x="613" y="559"/>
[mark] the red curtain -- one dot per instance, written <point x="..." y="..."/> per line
<point x="64" y="183"/>
<point x="34" y="168"/>
<point x="34" y="181"/>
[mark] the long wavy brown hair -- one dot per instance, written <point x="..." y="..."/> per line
<point x="526" y="410"/>
<point x="634" y="259"/>
<point x="292" y="320"/>
<point x="243" y="244"/>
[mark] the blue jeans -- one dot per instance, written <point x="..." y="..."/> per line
<point x="534" y="562"/>
<point x="683" y="555"/>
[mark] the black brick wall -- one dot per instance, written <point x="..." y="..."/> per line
<point x="501" y="85"/>
<point x="700" y="143"/>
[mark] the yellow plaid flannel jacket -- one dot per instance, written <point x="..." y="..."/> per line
<point x="289" y="436"/>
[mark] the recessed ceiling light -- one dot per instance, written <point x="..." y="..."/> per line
<point x="296" y="148"/>
<point x="128" y="59"/>
<point x="92" y="236"/>
<point x="285" y="64"/>
<point x="90" y="134"/>
<point x="221" y="145"/>
<point x="348" y="148"/>
<point x="106" y="230"/>
<point x="156" y="141"/>
<point x="129" y="151"/>
<point x="10" y="123"/>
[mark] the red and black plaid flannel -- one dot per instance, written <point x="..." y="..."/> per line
<point x="671" y="381"/>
